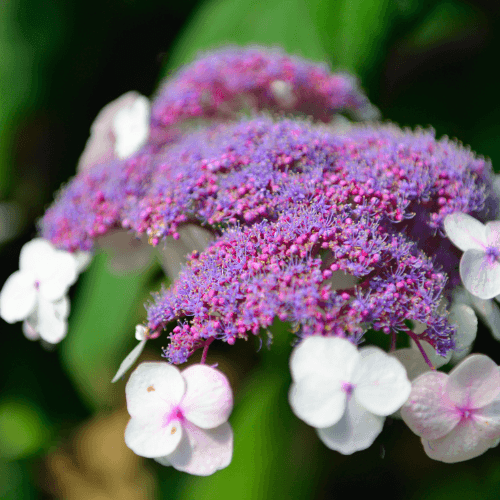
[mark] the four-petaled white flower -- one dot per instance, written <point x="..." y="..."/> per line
<point x="480" y="263"/>
<point x="120" y="129"/>
<point x="456" y="415"/>
<point x="345" y="393"/>
<point x="36" y="293"/>
<point x="180" y="419"/>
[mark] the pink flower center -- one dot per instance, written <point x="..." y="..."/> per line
<point x="37" y="285"/>
<point x="174" y="414"/>
<point x="348" y="388"/>
<point x="466" y="413"/>
<point x="492" y="254"/>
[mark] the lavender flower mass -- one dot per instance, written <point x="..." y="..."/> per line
<point x="336" y="228"/>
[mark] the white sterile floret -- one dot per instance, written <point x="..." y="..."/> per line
<point x="480" y="263"/>
<point x="345" y="393"/>
<point x="131" y="127"/>
<point x="142" y="335"/>
<point x="180" y="418"/>
<point x="36" y="293"/>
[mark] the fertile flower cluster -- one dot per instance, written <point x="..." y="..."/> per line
<point x="337" y="232"/>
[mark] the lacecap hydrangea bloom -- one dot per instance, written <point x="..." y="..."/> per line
<point x="336" y="230"/>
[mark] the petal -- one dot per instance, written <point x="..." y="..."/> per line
<point x="412" y="360"/>
<point x="29" y="331"/>
<point x="62" y="307"/>
<point x="474" y="383"/>
<point x="465" y="232"/>
<point x="428" y="412"/>
<point x="50" y="325"/>
<point x="487" y="419"/>
<point x="18" y="297"/>
<point x="83" y="260"/>
<point x="324" y="357"/>
<point x="463" y="317"/>
<point x="54" y="285"/>
<point x="489" y="312"/>
<point x="203" y="451"/>
<point x="141" y="332"/>
<point x="462" y="443"/>
<point x="131" y="127"/>
<point x="318" y="403"/>
<point x="34" y="256"/>
<point x="154" y="386"/>
<point x="381" y="383"/>
<point x="493" y="234"/>
<point x="355" y="431"/>
<point x="480" y="276"/>
<point x="152" y="437"/>
<point x="208" y="400"/>
<point x="130" y="359"/>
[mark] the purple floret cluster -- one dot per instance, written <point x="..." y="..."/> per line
<point x="221" y="83"/>
<point x="292" y="205"/>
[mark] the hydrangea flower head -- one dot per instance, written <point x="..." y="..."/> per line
<point x="36" y="293"/>
<point x="480" y="263"/>
<point x="345" y="393"/>
<point x="180" y="418"/>
<point x="456" y="415"/>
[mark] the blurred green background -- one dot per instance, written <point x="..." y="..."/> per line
<point x="61" y="421"/>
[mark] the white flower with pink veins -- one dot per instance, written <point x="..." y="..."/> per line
<point x="457" y="416"/>
<point x="180" y="418"/>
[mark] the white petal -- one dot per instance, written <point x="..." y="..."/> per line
<point x="480" y="276"/>
<point x="131" y="127"/>
<point x="51" y="326"/>
<point x="474" y="383"/>
<point x="152" y="437"/>
<point x="202" y="451"/>
<point x="154" y="386"/>
<point x="83" y="260"/>
<point x="381" y="383"/>
<point x="62" y="307"/>
<point x="208" y="400"/>
<point x="463" y="317"/>
<point x="18" y="297"/>
<point x="493" y="234"/>
<point x="141" y="332"/>
<point x="324" y="357"/>
<point x="489" y="312"/>
<point x="319" y="403"/>
<point x="462" y="443"/>
<point x="64" y="273"/>
<point x="355" y="431"/>
<point x="130" y="359"/>
<point x="465" y="232"/>
<point x="35" y="255"/>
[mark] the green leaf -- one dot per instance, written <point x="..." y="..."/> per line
<point x="101" y="329"/>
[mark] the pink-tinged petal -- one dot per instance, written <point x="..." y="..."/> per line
<point x="493" y="234"/>
<point x="153" y="437"/>
<point x="63" y="274"/>
<point x="355" y="431"/>
<point x="428" y="412"/>
<point x="465" y="232"/>
<point x="208" y="400"/>
<point x="130" y="359"/>
<point x="487" y="420"/>
<point x="152" y="387"/>
<point x="319" y="404"/>
<point x="332" y="358"/>
<point x="30" y="331"/>
<point x="474" y="383"/>
<point x="381" y="383"/>
<point x="480" y="276"/>
<point x="462" y="443"/>
<point x="203" y="451"/>
<point x="18" y="297"/>
<point x="51" y="326"/>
